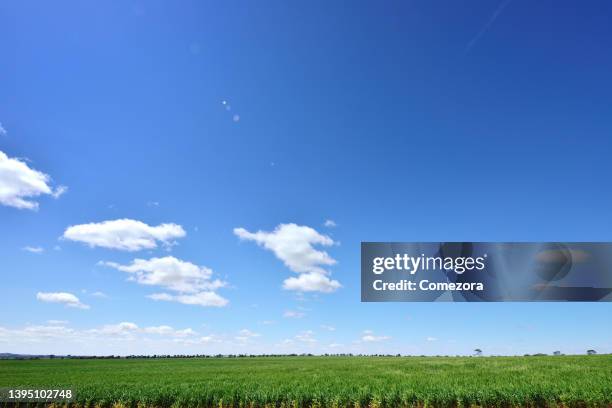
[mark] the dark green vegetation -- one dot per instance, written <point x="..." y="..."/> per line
<point x="572" y="381"/>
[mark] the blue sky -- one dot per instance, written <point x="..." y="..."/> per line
<point x="399" y="121"/>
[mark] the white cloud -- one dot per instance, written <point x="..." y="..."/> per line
<point x="311" y="282"/>
<point x="67" y="299"/>
<point x="328" y="328"/>
<point x="306" y="337"/>
<point x="294" y="245"/>
<point x="2" y="130"/>
<point x="185" y="332"/>
<point x="267" y="322"/>
<point x="124" y="234"/>
<point x="330" y="224"/>
<point x="192" y="282"/>
<point x="161" y="296"/>
<point x="206" y="298"/>
<point x="171" y="273"/>
<point x="203" y="340"/>
<point x="369" y="337"/>
<point x="165" y="330"/>
<point x="45" y="332"/>
<point x="248" y="333"/>
<point x="132" y="329"/>
<point x="245" y="335"/>
<point x="59" y="191"/>
<point x="293" y="314"/>
<point x="34" y="249"/>
<point x="122" y="328"/>
<point x="158" y="329"/>
<point x="19" y="184"/>
<point x="57" y="322"/>
<point x="99" y="294"/>
<point x="431" y="339"/>
<point x="209" y="339"/>
<point x="121" y="338"/>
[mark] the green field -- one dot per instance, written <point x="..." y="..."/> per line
<point x="572" y="381"/>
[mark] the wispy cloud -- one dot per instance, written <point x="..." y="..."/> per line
<point x="205" y="299"/>
<point x="306" y="336"/>
<point x="57" y="322"/>
<point x="293" y="314"/>
<point x="330" y="223"/>
<point x="59" y="191"/>
<point x="34" y="249"/>
<point x="488" y="25"/>
<point x="67" y="299"/>
<point x="132" y="329"/>
<point x="369" y="337"/>
<point x="246" y="335"/>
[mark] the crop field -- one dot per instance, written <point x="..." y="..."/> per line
<point x="564" y="381"/>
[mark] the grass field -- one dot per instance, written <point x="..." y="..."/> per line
<point x="571" y="381"/>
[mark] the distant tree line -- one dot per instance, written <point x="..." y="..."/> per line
<point x="477" y="352"/>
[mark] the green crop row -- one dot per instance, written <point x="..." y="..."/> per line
<point x="300" y="382"/>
